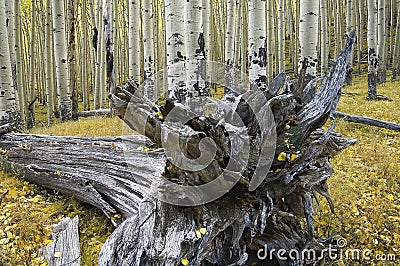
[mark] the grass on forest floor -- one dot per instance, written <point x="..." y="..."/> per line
<point x="364" y="188"/>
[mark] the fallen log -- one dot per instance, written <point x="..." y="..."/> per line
<point x="64" y="248"/>
<point x="367" y="121"/>
<point x="101" y="112"/>
<point x="135" y="176"/>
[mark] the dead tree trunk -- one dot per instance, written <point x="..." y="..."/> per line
<point x="227" y="231"/>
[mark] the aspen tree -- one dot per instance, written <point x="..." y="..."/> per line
<point x="256" y="46"/>
<point x="61" y="60"/>
<point x="308" y="35"/>
<point x="372" y="45"/>
<point x="134" y="40"/>
<point x="50" y="82"/>
<point x="8" y="103"/>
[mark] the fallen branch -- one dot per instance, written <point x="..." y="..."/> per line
<point x="8" y="128"/>
<point x="367" y="121"/>
<point x="101" y="112"/>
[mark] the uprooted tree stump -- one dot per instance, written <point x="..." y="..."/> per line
<point x="233" y="227"/>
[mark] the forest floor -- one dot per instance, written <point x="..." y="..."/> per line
<point x="365" y="189"/>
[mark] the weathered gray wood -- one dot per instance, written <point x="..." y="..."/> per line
<point x="367" y="121"/>
<point x="101" y="112"/>
<point x="93" y="170"/>
<point x="237" y="224"/>
<point x="7" y="128"/>
<point x="64" y="248"/>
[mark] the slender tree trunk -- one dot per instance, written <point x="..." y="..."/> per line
<point x="308" y="35"/>
<point x="84" y="57"/>
<point x="10" y="15"/>
<point x="230" y="32"/>
<point x="103" y="74"/>
<point x="98" y="40"/>
<point x="269" y="41"/>
<point x="372" y="45"/>
<point x="350" y="25"/>
<point x="206" y="27"/>
<point x="381" y="38"/>
<point x="324" y="30"/>
<point x="8" y="104"/>
<point x="175" y="35"/>
<point x="281" y="35"/>
<point x="148" y="38"/>
<point x="50" y="83"/>
<point x="61" y="59"/>
<point x="19" y="63"/>
<point x="109" y="47"/>
<point x="360" y="33"/>
<point x="256" y="47"/>
<point x="31" y="94"/>
<point x="72" y="58"/>
<point x="396" y="46"/>
<point x="134" y="40"/>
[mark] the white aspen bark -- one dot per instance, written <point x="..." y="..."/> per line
<point x="230" y="32"/>
<point x="50" y="83"/>
<point x="349" y="15"/>
<point x="256" y="46"/>
<point x="381" y="38"/>
<point x="269" y="41"/>
<point x="372" y="45"/>
<point x="84" y="59"/>
<point x="32" y="82"/>
<point x="195" y="53"/>
<point x="350" y="25"/>
<point x="117" y="43"/>
<point x="108" y="71"/>
<point x="239" y="33"/>
<point x="8" y="105"/>
<point x="19" y="62"/>
<point x="134" y="40"/>
<point x="245" y="39"/>
<point x="281" y="35"/>
<point x="10" y="15"/>
<point x="206" y="27"/>
<point x="396" y="46"/>
<point x="61" y="60"/>
<point x="193" y="30"/>
<point x="72" y="59"/>
<point x="324" y="37"/>
<point x="176" y="52"/>
<point x="308" y="35"/>
<point x="148" y="38"/>
<point x="360" y="28"/>
<point x="98" y="42"/>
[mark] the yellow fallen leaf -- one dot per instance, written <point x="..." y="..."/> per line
<point x="160" y="115"/>
<point x="390" y="197"/>
<point x="198" y="234"/>
<point x="293" y="156"/>
<point x="203" y="231"/>
<point x="57" y="254"/>
<point x="282" y="157"/>
<point x="185" y="262"/>
<point x="36" y="199"/>
<point x="48" y="241"/>
<point x="287" y="127"/>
